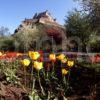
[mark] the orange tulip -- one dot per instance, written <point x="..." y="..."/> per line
<point x="52" y="57"/>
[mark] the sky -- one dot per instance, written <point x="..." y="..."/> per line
<point x="12" y="12"/>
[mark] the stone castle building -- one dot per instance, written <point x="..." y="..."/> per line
<point x="43" y="18"/>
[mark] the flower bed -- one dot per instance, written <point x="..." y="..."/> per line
<point x="58" y="77"/>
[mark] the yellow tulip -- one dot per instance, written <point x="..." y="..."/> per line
<point x="64" y="60"/>
<point x="61" y="57"/>
<point x="34" y="55"/>
<point x="38" y="65"/>
<point x="25" y="62"/>
<point x="70" y="63"/>
<point x="1" y="54"/>
<point x="64" y="71"/>
<point x="52" y="57"/>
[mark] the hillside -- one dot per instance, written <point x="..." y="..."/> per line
<point x="42" y="25"/>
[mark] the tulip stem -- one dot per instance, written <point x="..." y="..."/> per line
<point x="42" y="90"/>
<point x="25" y="76"/>
<point x="33" y="79"/>
<point x="53" y="68"/>
<point x="33" y="84"/>
<point x="32" y="74"/>
<point x="64" y="79"/>
<point x="49" y="95"/>
<point x="47" y="75"/>
<point x="68" y="75"/>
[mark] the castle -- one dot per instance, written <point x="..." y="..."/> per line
<point x="43" y="18"/>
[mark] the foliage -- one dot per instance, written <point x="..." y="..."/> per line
<point x="92" y="7"/>
<point x="56" y="78"/>
<point x="41" y="75"/>
<point x="26" y="39"/>
<point x="78" y="25"/>
<point x="43" y="35"/>
<point x="7" y="44"/>
<point x="10" y="71"/>
<point x="95" y="46"/>
<point x="53" y="73"/>
<point x="6" y="40"/>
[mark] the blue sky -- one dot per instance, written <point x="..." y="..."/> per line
<point x="12" y="12"/>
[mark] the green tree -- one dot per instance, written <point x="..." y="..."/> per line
<point x="6" y="41"/>
<point x="92" y="7"/>
<point x="26" y="39"/>
<point x="7" y="44"/>
<point x="78" y="25"/>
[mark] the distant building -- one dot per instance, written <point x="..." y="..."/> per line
<point x="43" y="18"/>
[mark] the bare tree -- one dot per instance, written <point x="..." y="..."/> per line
<point x="4" y="31"/>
